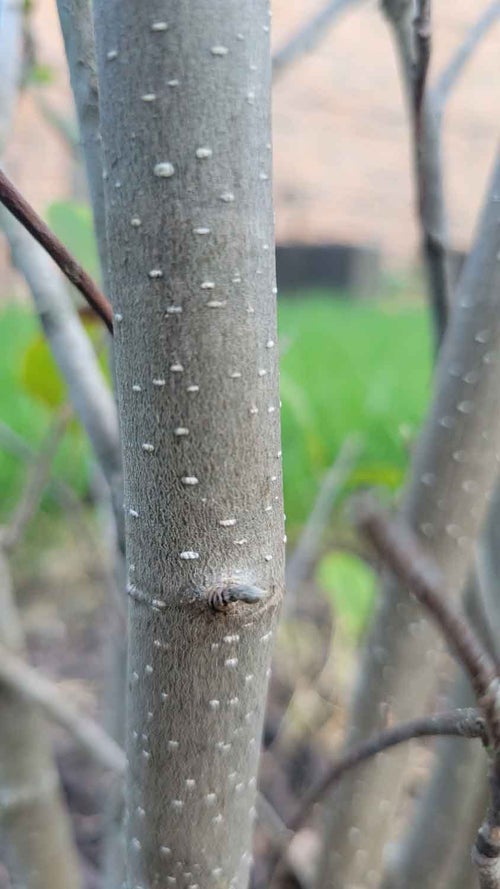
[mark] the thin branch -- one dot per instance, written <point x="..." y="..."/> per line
<point x="448" y="78"/>
<point x="28" y="682"/>
<point x="13" y="200"/>
<point x="38" y="478"/>
<point x="59" y="491"/>
<point x="466" y="723"/>
<point x="269" y="819"/>
<point x="400" y="550"/>
<point x="413" y="55"/>
<point x="74" y="354"/>
<point x="309" y="34"/>
<point x="486" y="856"/>
<point x="75" y="17"/>
<point x="422" y="29"/>
<point x="306" y="551"/>
<point x="428" y="174"/>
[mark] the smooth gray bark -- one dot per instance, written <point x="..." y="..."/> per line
<point x="75" y="17"/>
<point x="428" y="165"/>
<point x="185" y="120"/>
<point x="454" y="467"/>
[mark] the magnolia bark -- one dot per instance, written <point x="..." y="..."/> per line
<point x="185" y="119"/>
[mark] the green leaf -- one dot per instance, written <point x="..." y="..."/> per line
<point x="40" y="375"/>
<point x="72" y="223"/>
<point x="350" y="584"/>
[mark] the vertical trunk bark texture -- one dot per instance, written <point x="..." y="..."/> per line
<point x="185" y="119"/>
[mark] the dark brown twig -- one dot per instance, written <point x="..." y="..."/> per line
<point x="467" y="723"/>
<point x="13" y="200"/>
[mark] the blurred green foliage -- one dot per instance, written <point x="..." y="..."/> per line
<point x="39" y="374"/>
<point x="71" y="221"/>
<point x="26" y="412"/>
<point x="349" y="367"/>
<point x="40" y="74"/>
<point x="350" y="584"/>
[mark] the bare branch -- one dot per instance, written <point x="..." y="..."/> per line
<point x="75" y="17"/>
<point x="422" y="25"/>
<point x="309" y="34"/>
<point x="270" y="820"/>
<point x="35" y="688"/>
<point x="486" y="856"/>
<point x="13" y="200"/>
<point x="466" y="723"/>
<point x="448" y="78"/>
<point x="74" y="355"/>
<point x="61" y="493"/>
<point x="37" y="481"/>
<point x="400" y="550"/>
<point x="426" y="150"/>
<point x="307" y="548"/>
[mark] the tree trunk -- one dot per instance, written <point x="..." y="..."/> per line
<point x="185" y="120"/>
<point x="453" y="472"/>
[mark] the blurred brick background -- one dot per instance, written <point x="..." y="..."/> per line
<point x="341" y="152"/>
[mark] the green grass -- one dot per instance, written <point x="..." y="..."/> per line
<point x="346" y="368"/>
